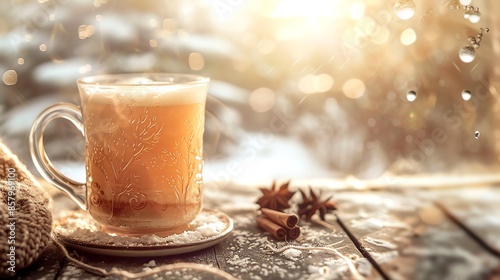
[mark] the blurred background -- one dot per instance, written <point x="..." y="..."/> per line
<point x="299" y="89"/>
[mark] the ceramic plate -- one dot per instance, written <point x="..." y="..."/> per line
<point x="78" y="230"/>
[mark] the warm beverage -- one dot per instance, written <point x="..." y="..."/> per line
<point x="144" y="151"/>
<point x="144" y="156"/>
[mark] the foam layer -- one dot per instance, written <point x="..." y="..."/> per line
<point x="145" y="94"/>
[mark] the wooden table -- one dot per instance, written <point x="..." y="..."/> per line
<point x="451" y="233"/>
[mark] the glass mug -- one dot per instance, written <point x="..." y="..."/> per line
<point x="143" y="150"/>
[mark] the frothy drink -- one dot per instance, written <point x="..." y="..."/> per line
<point x="144" y="155"/>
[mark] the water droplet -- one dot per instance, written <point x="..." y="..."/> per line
<point x="411" y="95"/>
<point x="465" y="2"/>
<point x="42" y="47"/>
<point x="467" y="54"/>
<point x="9" y="77"/>
<point x="477" y="134"/>
<point x="466" y="94"/>
<point x="405" y="9"/>
<point x="475" y="16"/>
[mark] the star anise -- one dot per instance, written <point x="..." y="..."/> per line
<point x="276" y="199"/>
<point x="311" y="204"/>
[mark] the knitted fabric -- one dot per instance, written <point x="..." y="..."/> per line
<point x="25" y="216"/>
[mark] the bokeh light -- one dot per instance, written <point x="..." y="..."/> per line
<point x="85" y="31"/>
<point x="99" y="3"/>
<point x="311" y="83"/>
<point x="196" y="61"/>
<point x="85" y="68"/>
<point x="169" y="26"/>
<point x="9" y="77"/>
<point x="323" y="82"/>
<point x="431" y="215"/>
<point x="408" y="37"/>
<point x="354" y="88"/>
<point x="306" y="84"/>
<point x="262" y="99"/>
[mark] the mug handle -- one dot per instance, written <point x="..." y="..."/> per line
<point x="75" y="190"/>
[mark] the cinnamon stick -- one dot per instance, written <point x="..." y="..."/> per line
<point x="271" y="227"/>
<point x="293" y="233"/>
<point x="288" y="221"/>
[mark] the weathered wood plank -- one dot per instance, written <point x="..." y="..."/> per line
<point x="250" y="255"/>
<point x="411" y="238"/>
<point x="478" y="209"/>
<point x="247" y="254"/>
<point x="140" y="264"/>
<point x="404" y="232"/>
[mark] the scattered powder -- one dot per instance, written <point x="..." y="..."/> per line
<point x="333" y="269"/>
<point x="364" y="267"/>
<point x="482" y="221"/>
<point x="385" y="257"/>
<point x="373" y="224"/>
<point x="244" y="264"/>
<point x="380" y="243"/>
<point x="71" y="272"/>
<point x="236" y="261"/>
<point x="80" y="226"/>
<point x="468" y="266"/>
<point x="451" y="252"/>
<point x="312" y="269"/>
<point x="493" y="240"/>
<point x="370" y="224"/>
<point x="292" y="254"/>
<point x="152" y="263"/>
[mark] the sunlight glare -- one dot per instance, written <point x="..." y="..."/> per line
<point x="301" y="8"/>
<point x="357" y="10"/>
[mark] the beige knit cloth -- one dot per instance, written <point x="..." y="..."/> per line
<point x="25" y="216"/>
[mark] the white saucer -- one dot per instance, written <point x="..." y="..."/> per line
<point x="78" y="230"/>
